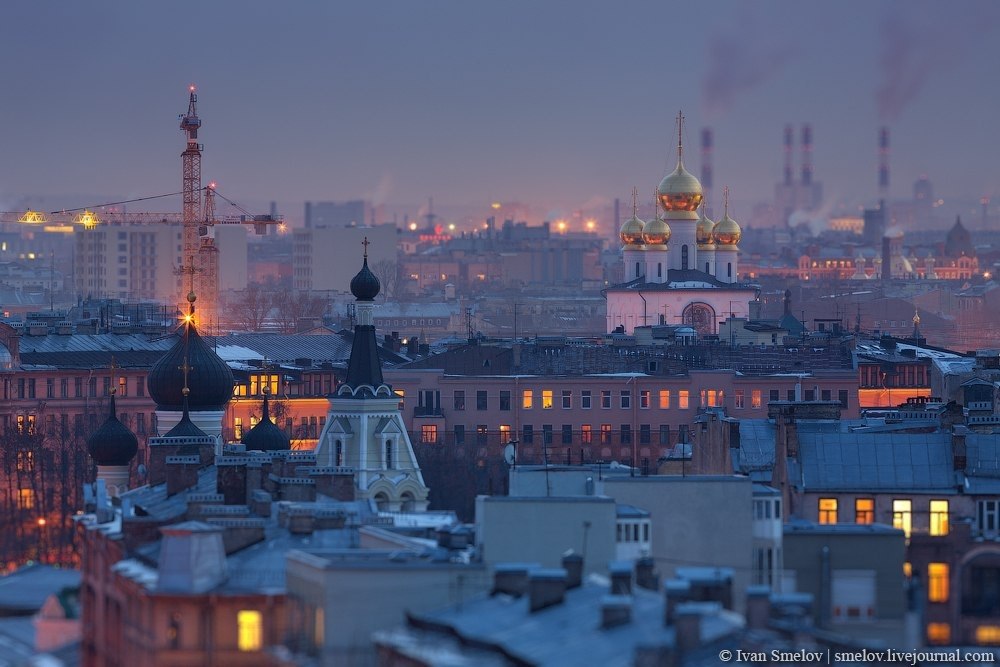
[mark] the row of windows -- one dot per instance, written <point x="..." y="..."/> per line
<point x="568" y="434"/>
<point x="663" y="398"/>
<point x="902" y="514"/>
<point x="30" y="424"/>
<point x="48" y="387"/>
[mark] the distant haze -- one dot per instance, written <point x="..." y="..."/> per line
<point x="555" y="104"/>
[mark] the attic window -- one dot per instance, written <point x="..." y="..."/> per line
<point x="486" y="363"/>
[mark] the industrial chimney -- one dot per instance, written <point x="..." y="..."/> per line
<point x="883" y="161"/>
<point x="806" y="155"/>
<point x="788" y="154"/>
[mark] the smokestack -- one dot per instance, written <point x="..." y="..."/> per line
<point x="883" y="161"/>
<point x="706" y="159"/>
<point x="807" y="155"/>
<point x="788" y="154"/>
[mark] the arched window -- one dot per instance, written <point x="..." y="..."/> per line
<point x="407" y="502"/>
<point x="338" y="453"/>
<point x="388" y="454"/>
<point x="381" y="502"/>
<point x="706" y="268"/>
<point x="684" y="257"/>
<point x="729" y="270"/>
<point x="659" y="269"/>
<point x="637" y="269"/>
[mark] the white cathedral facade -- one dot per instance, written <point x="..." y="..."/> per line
<point x="681" y="268"/>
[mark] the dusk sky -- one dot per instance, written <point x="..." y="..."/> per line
<point x="558" y="104"/>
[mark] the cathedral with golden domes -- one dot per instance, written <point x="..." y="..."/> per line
<point x="681" y="267"/>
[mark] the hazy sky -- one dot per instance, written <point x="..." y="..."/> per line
<point x="553" y="103"/>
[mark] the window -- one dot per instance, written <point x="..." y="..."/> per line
<point x="810" y="395"/>
<point x="459" y="400"/>
<point x="123" y="386"/>
<point x="388" y="455"/>
<point x="567" y="399"/>
<point x="459" y="434"/>
<point x="546" y="399"/>
<point x="773" y="395"/>
<point x="481" y="399"/>
<point x="50" y="388"/>
<point x="481" y="434"/>
<point x="738" y="399"/>
<point x="664" y="399"/>
<point x="626" y="434"/>
<point x="842" y="397"/>
<point x="567" y="434"/>
<point x="701" y="399"/>
<point x="338" y="453"/>
<point x="683" y="399"/>
<point x="664" y="434"/>
<point x="64" y="388"/>
<point x="902" y="515"/>
<point x="606" y="398"/>
<point x="140" y="386"/>
<point x="828" y="510"/>
<point x="504" y="433"/>
<point x="585" y="399"/>
<point x="714" y="398"/>
<point x="864" y="510"/>
<point x="824" y="394"/>
<point x="988" y="517"/>
<point x="527" y="399"/>
<point x="505" y="400"/>
<point x="547" y="434"/>
<point x="937" y="582"/>
<point x="429" y="434"/>
<point x="988" y="635"/>
<point x="939" y="518"/>
<point x="644" y="399"/>
<point x="790" y="394"/>
<point x="25" y="499"/>
<point x="626" y="399"/>
<point x="586" y="436"/>
<point x="527" y="434"/>
<point x="684" y="256"/>
<point x="238" y="428"/>
<point x="249" y="630"/>
<point x="645" y="434"/>
<point x="140" y="423"/>
<point x="605" y="433"/>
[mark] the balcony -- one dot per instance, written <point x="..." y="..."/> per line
<point x="427" y="411"/>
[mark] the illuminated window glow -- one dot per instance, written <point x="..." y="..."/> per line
<point x="864" y="510"/>
<point x="937" y="582"/>
<point x="828" y="510"/>
<point x="250" y="630"/>
<point x="902" y="515"/>
<point x="939" y="518"/>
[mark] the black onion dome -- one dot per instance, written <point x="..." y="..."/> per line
<point x="112" y="444"/>
<point x="209" y="377"/>
<point x="365" y="285"/>
<point x="266" y="436"/>
<point x="185" y="428"/>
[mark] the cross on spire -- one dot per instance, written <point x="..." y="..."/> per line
<point x="365" y="244"/>
<point x="680" y="140"/>
<point x="114" y="385"/>
<point x="725" y="200"/>
<point x="185" y="368"/>
<point x="635" y="202"/>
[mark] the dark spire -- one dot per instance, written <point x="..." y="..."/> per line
<point x="186" y="428"/>
<point x="364" y="367"/>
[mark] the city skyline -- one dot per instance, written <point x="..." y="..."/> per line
<point x="470" y="104"/>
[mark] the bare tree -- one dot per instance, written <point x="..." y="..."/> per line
<point x="293" y="306"/>
<point x="250" y="310"/>
<point x="387" y="272"/>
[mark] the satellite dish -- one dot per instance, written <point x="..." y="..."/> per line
<point x="508" y="453"/>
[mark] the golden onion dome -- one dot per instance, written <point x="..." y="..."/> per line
<point x="703" y="232"/>
<point x="727" y="231"/>
<point x="631" y="231"/>
<point x="656" y="232"/>
<point x="680" y="190"/>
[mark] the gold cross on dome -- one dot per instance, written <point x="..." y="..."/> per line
<point x="365" y="243"/>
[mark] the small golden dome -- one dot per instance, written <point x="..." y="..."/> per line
<point x="680" y="190"/>
<point x="656" y="232"/>
<point x="631" y="231"/>
<point x="727" y="231"/>
<point x="704" y="230"/>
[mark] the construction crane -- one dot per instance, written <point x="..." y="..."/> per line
<point x="199" y="260"/>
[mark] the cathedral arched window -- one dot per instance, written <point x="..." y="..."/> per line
<point x="684" y="257"/>
<point x="706" y="268"/>
<point x="659" y="269"/>
<point x="729" y="270"/>
<point x="637" y="269"/>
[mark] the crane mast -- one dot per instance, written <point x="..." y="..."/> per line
<point x="191" y="215"/>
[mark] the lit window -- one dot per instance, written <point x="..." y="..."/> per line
<point x="25" y="499"/>
<point x="546" y="399"/>
<point x="864" y="510"/>
<point x="528" y="399"/>
<point x="644" y="399"/>
<point x="937" y="582"/>
<point x="238" y="427"/>
<point x="586" y="436"/>
<point x="738" y="399"/>
<point x="939" y="517"/>
<point x="714" y="398"/>
<point x="828" y="510"/>
<point x="683" y="399"/>
<point x="902" y="515"/>
<point x="504" y="433"/>
<point x="664" y="399"/>
<point x="429" y="433"/>
<point x="988" y="635"/>
<point x="250" y="630"/>
<point x="907" y="569"/>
